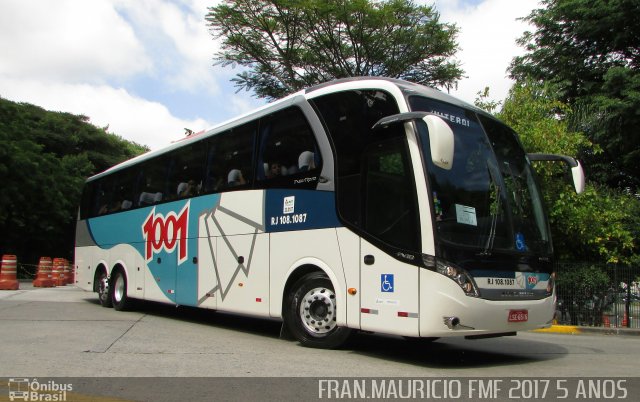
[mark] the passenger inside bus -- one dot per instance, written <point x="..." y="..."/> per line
<point x="235" y="178"/>
<point x="275" y="170"/>
<point x="187" y="189"/>
<point x="306" y="161"/>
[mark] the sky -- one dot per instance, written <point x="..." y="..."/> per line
<point x="145" y="68"/>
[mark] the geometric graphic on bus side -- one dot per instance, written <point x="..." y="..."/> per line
<point x="211" y="220"/>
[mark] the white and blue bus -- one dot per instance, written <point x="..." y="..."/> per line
<point x="361" y="204"/>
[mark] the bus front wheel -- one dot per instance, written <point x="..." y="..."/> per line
<point x="310" y="313"/>
<point x="118" y="292"/>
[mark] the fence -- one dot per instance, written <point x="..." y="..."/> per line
<point x="598" y="295"/>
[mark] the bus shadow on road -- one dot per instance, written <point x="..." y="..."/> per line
<point x="442" y="353"/>
<point x="456" y="352"/>
<point x="235" y="322"/>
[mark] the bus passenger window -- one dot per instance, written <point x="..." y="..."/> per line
<point x="152" y="182"/>
<point x="230" y="159"/>
<point x="186" y="169"/>
<point x="288" y="149"/>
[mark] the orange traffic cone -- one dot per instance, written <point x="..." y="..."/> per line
<point x="43" y="277"/>
<point x="8" y="273"/>
<point x="58" y="266"/>
<point x="605" y="321"/>
<point x="625" y="320"/>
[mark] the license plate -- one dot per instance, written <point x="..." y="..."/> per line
<point x="518" y="315"/>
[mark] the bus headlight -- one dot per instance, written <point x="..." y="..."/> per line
<point x="459" y="276"/>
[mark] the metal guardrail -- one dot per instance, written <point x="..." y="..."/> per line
<point x="598" y="295"/>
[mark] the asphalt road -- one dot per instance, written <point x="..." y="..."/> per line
<point x="64" y="332"/>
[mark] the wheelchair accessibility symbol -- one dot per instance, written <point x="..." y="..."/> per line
<point x="386" y="283"/>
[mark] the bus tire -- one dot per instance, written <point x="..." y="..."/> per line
<point x="310" y="313"/>
<point x="104" y="290"/>
<point x="119" y="298"/>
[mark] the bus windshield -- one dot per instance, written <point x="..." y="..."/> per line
<point x="489" y="201"/>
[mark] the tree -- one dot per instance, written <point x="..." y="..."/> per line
<point x="600" y="224"/>
<point x="585" y="292"/>
<point x="44" y="160"/>
<point x="287" y="45"/>
<point x="589" y="50"/>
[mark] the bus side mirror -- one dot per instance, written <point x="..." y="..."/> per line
<point x="441" y="140"/>
<point x="577" y="173"/>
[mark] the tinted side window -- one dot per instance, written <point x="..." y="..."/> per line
<point x="348" y="117"/>
<point x="151" y="182"/>
<point x="230" y="159"/>
<point x="375" y="187"/>
<point x="186" y="171"/>
<point x="109" y="194"/>
<point x="102" y="191"/>
<point x="288" y="150"/>
<point x="390" y="201"/>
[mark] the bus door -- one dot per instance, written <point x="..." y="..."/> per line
<point x="389" y="293"/>
<point x="390" y="219"/>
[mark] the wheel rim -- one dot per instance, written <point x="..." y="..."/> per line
<point x="103" y="287"/>
<point x="119" y="288"/>
<point x="318" y="311"/>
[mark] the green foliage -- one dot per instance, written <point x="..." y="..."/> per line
<point x="484" y="101"/>
<point x="599" y="224"/>
<point x="533" y="112"/>
<point x="287" y="45"/>
<point x="589" y="51"/>
<point x="44" y="160"/>
<point x="584" y="288"/>
<point x="584" y="280"/>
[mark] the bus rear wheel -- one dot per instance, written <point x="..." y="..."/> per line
<point x="118" y="292"/>
<point x="104" y="293"/>
<point x="310" y="313"/>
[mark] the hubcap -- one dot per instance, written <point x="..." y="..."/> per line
<point x="118" y="290"/>
<point x="103" y="287"/>
<point x="318" y="311"/>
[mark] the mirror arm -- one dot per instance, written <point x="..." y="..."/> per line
<point x="398" y="118"/>
<point x="577" y="172"/>
<point x="554" y="158"/>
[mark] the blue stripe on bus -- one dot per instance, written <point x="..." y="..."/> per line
<point x="127" y="227"/>
<point x="284" y="210"/>
<point x="287" y="210"/>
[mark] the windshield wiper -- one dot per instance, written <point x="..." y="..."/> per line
<point x="494" y="211"/>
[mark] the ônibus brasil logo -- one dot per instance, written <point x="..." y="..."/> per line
<point x="162" y="232"/>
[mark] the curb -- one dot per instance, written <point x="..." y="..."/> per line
<point x="560" y="329"/>
<point x="576" y="330"/>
